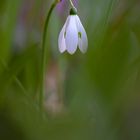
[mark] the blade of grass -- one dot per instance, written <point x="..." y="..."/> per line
<point x="7" y="27"/>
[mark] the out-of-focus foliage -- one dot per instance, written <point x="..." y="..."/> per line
<point x="94" y="96"/>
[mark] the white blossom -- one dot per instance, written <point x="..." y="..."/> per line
<point x="73" y="35"/>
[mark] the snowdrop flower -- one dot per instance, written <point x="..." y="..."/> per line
<point x="73" y="35"/>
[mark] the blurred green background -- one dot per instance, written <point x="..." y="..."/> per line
<point x="95" y="96"/>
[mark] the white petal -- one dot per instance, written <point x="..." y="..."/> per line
<point x="83" y="41"/>
<point x="61" y="39"/>
<point x="71" y="35"/>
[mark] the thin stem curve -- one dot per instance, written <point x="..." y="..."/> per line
<point x="72" y="4"/>
<point x="43" y="59"/>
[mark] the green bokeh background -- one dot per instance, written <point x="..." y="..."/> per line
<point x="97" y="94"/>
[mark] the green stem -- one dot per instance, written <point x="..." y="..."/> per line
<point x="43" y="60"/>
<point x="71" y="3"/>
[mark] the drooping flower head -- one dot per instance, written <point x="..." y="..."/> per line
<point x="73" y="35"/>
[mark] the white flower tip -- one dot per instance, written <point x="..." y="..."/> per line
<point x="61" y="51"/>
<point x="83" y="51"/>
<point x="71" y="51"/>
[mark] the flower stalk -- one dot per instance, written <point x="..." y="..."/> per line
<point x="43" y="59"/>
<point x="72" y="4"/>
